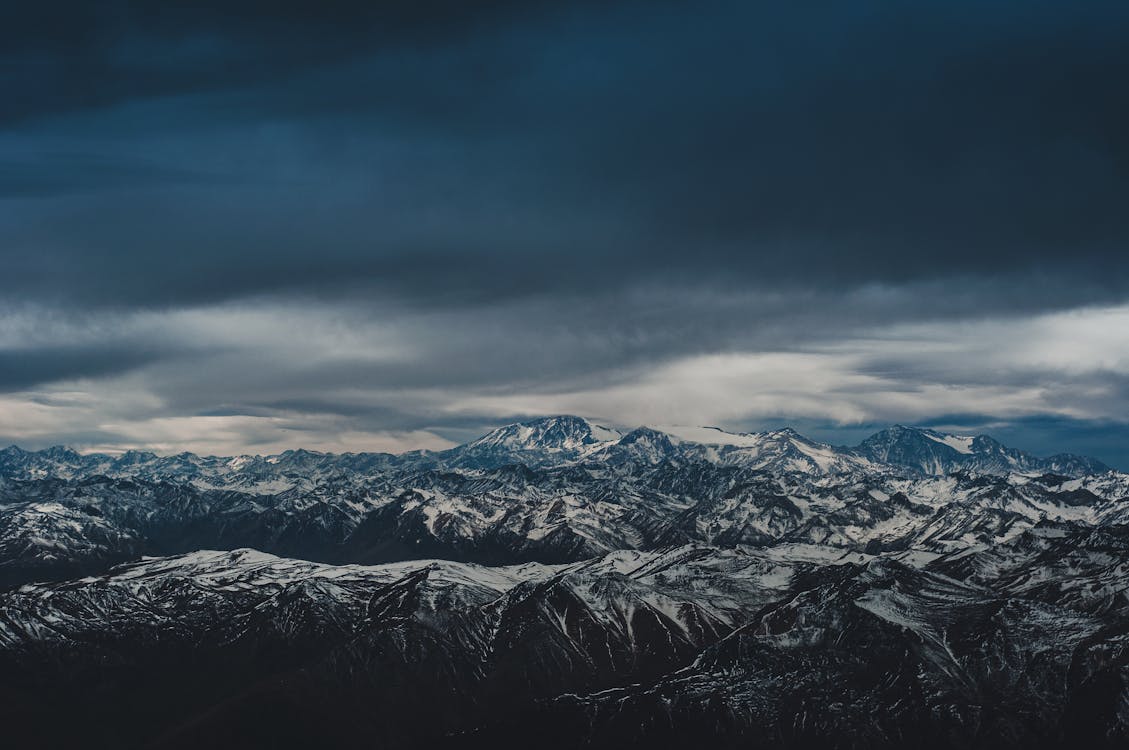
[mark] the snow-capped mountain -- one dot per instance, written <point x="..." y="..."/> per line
<point x="554" y="490"/>
<point x="932" y="452"/>
<point x="563" y="434"/>
<point x="540" y="442"/>
<point x="567" y="440"/>
<point x="636" y="588"/>
<point x="780" y="451"/>
<point x="881" y="654"/>
<point x="52" y="528"/>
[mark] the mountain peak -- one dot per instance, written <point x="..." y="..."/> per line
<point x="933" y="452"/>
<point x="644" y="445"/>
<point x="786" y="432"/>
<point x="564" y="432"/>
<point x="61" y="453"/>
<point x="646" y="435"/>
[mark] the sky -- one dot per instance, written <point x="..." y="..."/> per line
<point x="249" y="226"/>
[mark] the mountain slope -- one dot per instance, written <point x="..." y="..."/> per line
<point x="936" y="453"/>
<point x="881" y="655"/>
<point x="786" y="647"/>
<point x="641" y="491"/>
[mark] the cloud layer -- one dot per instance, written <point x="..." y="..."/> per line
<point x="247" y="226"/>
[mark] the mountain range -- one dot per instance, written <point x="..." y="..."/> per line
<point x="562" y="583"/>
<point x="557" y="441"/>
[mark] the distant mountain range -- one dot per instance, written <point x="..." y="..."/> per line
<point x="565" y="584"/>
<point x="556" y="441"/>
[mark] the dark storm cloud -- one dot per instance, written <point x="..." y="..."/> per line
<point x="22" y="368"/>
<point x="55" y="174"/>
<point x="60" y="57"/>
<point x="475" y="153"/>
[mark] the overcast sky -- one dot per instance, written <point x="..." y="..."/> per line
<point x="250" y="226"/>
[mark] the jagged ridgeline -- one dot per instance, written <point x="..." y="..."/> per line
<point x="562" y="584"/>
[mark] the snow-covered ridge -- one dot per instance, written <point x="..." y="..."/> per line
<point x="562" y="433"/>
<point x="562" y="440"/>
<point x="639" y="492"/>
<point x="712" y="436"/>
<point x="587" y="648"/>
<point x="565" y="563"/>
<point x="555" y="490"/>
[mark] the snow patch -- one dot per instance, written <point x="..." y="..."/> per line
<point x="958" y="443"/>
